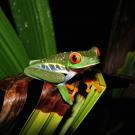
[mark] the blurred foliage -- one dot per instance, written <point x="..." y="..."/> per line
<point x="120" y="52"/>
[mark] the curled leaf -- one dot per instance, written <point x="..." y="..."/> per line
<point x="15" y="89"/>
<point x="51" y="101"/>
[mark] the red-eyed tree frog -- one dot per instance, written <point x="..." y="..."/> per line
<point x="60" y="68"/>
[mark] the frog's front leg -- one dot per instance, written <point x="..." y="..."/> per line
<point x="95" y="83"/>
<point x="73" y="88"/>
<point x="64" y="93"/>
<point x="64" y="90"/>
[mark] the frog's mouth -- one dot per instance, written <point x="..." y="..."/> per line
<point x="84" y="67"/>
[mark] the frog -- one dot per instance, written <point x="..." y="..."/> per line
<point x="58" y="69"/>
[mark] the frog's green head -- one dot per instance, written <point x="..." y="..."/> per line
<point x="83" y="59"/>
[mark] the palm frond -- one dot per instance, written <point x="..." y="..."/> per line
<point x="34" y="26"/>
<point x="47" y="123"/>
<point x="13" y="55"/>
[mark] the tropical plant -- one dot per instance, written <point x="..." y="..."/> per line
<point x="33" y="37"/>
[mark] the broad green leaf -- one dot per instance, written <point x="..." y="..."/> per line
<point x="88" y="104"/>
<point x="35" y="123"/>
<point x="13" y="57"/>
<point x="34" y="26"/>
<point x="50" y="127"/>
<point x="47" y="123"/>
<point x="79" y="102"/>
<point x="41" y="123"/>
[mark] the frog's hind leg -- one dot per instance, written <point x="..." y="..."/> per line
<point x="96" y="84"/>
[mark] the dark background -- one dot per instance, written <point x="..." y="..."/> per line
<point x="82" y="24"/>
<point x="78" y="26"/>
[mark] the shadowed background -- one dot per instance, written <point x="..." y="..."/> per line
<point x="110" y="26"/>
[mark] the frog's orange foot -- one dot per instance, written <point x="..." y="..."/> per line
<point x="73" y="93"/>
<point x="98" y="87"/>
<point x="74" y="89"/>
<point x="88" y="89"/>
<point x="89" y="83"/>
<point x="70" y="86"/>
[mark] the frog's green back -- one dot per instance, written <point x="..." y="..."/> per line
<point x="63" y="58"/>
<point x="87" y="58"/>
<point x="60" y="58"/>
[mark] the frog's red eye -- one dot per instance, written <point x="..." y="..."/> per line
<point x="97" y="51"/>
<point x="75" y="57"/>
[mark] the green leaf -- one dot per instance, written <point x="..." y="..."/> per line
<point x="34" y="26"/>
<point x="87" y="105"/>
<point x="13" y="57"/>
<point x="50" y="126"/>
<point x="47" y="123"/>
<point x="76" y="108"/>
<point x="35" y="123"/>
<point x="129" y="64"/>
<point x="41" y="123"/>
